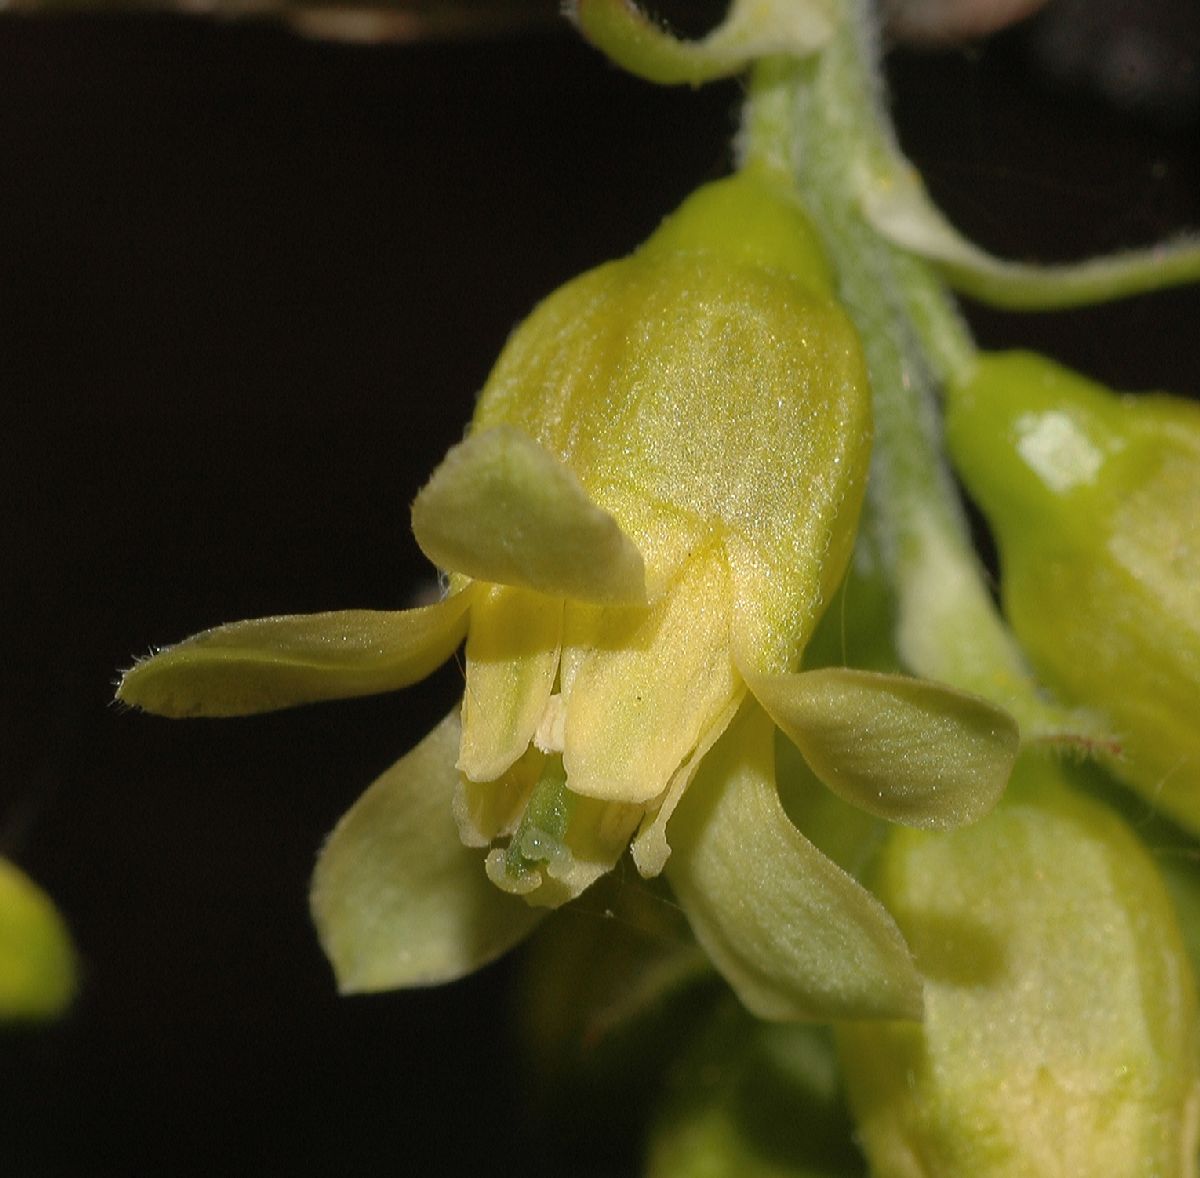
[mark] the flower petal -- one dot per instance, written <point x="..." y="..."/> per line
<point x="512" y="658"/>
<point x="906" y="749"/>
<point x="642" y="686"/>
<point x="793" y="934"/>
<point x="501" y="508"/>
<point x="650" y="849"/>
<point x="269" y="663"/>
<point x="791" y="526"/>
<point x="488" y="810"/>
<point x="397" y="899"/>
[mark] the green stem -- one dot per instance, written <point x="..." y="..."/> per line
<point x="821" y="122"/>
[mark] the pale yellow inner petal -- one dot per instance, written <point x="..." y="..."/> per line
<point x="642" y="685"/>
<point x="650" y="850"/>
<point x="512" y="658"/>
<point x="488" y="810"/>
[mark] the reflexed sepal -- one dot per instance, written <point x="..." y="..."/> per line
<point x="1060" y="1014"/>
<point x="37" y="960"/>
<point x="269" y="663"/>
<point x="501" y="508"/>
<point x="752" y="29"/>
<point x="905" y="749"/>
<point x="793" y="934"/>
<point x="396" y="897"/>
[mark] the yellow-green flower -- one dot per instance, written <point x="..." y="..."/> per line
<point x="1095" y="500"/>
<point x="37" y="959"/>
<point x="655" y="500"/>
<point x="1060" y="1028"/>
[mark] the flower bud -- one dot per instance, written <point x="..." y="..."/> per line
<point x="1094" y="499"/>
<point x="1060" y="1026"/>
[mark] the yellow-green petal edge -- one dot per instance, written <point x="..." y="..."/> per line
<point x="397" y="899"/>
<point x="904" y="749"/>
<point x="270" y="663"/>
<point x="792" y="933"/>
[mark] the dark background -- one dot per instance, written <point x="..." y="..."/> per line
<point x="249" y="285"/>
